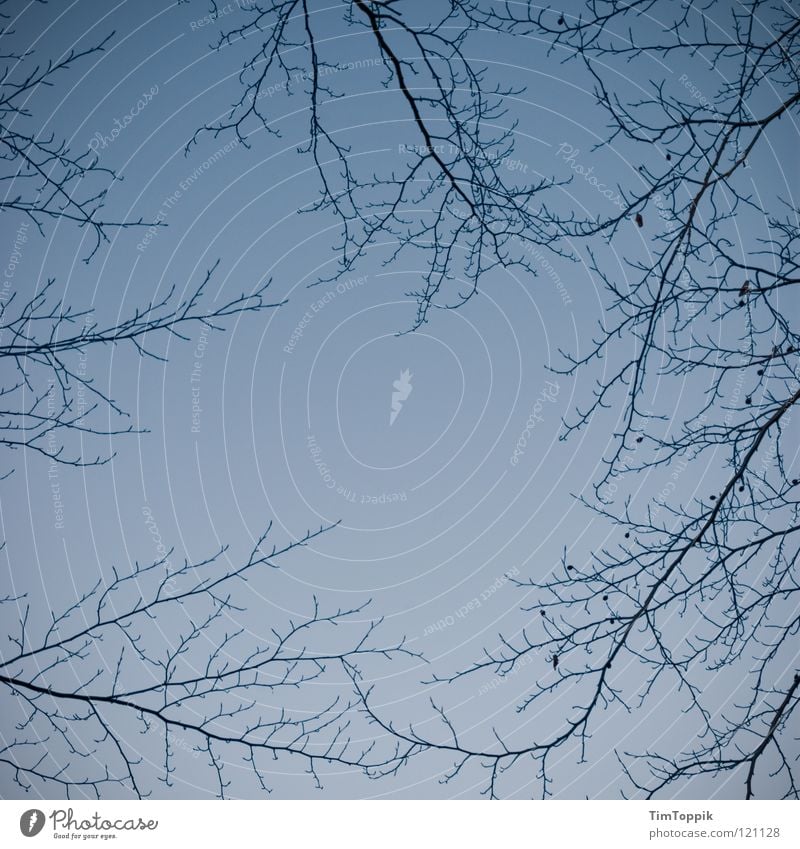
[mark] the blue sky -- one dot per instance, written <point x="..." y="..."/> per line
<point x="286" y="416"/>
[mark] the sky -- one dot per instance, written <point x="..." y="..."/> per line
<point x="437" y="452"/>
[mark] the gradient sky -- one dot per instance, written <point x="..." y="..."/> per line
<point x="291" y="415"/>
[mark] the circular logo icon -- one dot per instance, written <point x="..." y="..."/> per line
<point x="31" y="822"/>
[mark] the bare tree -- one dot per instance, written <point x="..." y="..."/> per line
<point x="697" y="585"/>
<point x="43" y="178"/>
<point x="699" y="588"/>
<point x="712" y="308"/>
<point x="184" y="672"/>
<point x="451" y="197"/>
<point x="50" y="395"/>
<point x="45" y="394"/>
<point x="185" y="680"/>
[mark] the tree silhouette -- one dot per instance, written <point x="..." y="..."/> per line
<point x="698" y="587"/>
<point x="79" y="723"/>
<point x="451" y="197"/>
<point x="52" y="396"/>
<point x="43" y="178"/>
<point x="86" y="724"/>
<point x="698" y="584"/>
<point x="711" y="307"/>
<point x="45" y="394"/>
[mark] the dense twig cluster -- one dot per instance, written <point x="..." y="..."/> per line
<point x="452" y="197"/>
<point x="40" y="175"/>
